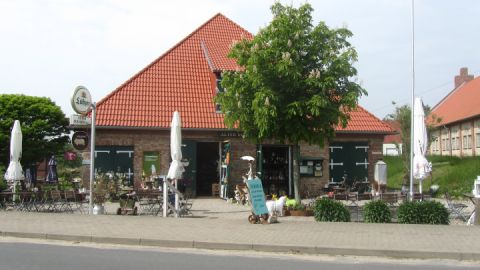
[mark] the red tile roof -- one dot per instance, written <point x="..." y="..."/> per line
<point x="361" y="121"/>
<point x="461" y="103"/>
<point x="182" y="79"/>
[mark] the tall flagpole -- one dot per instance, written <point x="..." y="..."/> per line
<point x="413" y="100"/>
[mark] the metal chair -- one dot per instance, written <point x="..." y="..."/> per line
<point x="457" y="210"/>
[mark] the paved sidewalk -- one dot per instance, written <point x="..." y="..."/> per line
<point x="217" y="224"/>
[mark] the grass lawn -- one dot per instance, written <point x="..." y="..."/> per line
<point x="452" y="174"/>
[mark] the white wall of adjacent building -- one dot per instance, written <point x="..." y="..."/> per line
<point x="391" y="149"/>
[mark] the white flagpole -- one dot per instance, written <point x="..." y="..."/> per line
<point x="413" y="100"/>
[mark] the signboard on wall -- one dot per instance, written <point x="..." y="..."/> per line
<point x="151" y="163"/>
<point x="80" y="140"/>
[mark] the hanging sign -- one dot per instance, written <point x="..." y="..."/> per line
<point x="81" y="100"/>
<point x="257" y="196"/>
<point x="80" y="140"/>
<point x="80" y="120"/>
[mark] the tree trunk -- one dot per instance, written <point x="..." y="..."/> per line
<point x="296" y="172"/>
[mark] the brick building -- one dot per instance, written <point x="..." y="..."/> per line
<point x="458" y="132"/>
<point x="133" y="123"/>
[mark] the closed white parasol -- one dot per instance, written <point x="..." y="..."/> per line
<point x="421" y="166"/>
<point x="14" y="171"/>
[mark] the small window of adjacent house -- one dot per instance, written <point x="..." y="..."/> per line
<point x="477" y="140"/>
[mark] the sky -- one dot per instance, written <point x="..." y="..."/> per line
<point x="48" y="47"/>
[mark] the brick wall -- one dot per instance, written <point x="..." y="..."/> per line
<point x="159" y="140"/>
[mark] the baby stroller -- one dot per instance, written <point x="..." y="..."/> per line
<point x="127" y="204"/>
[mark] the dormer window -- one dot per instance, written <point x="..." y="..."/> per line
<point x="218" y="89"/>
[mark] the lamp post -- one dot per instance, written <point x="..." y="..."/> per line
<point x="92" y="157"/>
<point x="413" y="100"/>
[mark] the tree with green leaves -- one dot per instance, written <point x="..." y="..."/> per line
<point x="44" y="127"/>
<point x="403" y="115"/>
<point x="295" y="83"/>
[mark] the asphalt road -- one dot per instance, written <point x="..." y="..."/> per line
<point x="60" y="256"/>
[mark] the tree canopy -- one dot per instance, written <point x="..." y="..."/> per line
<point x="296" y="81"/>
<point x="44" y="127"/>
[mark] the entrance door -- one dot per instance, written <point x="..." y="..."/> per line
<point x="189" y="156"/>
<point x="349" y="161"/>
<point x="273" y="161"/>
<point x="207" y="167"/>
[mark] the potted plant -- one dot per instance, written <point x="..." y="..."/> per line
<point x="298" y="210"/>
<point x="100" y="195"/>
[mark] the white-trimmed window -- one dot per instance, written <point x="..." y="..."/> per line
<point x="477" y="140"/>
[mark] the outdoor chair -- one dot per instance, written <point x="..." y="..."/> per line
<point x="56" y="201"/>
<point x="457" y="210"/>
<point x="40" y="200"/>
<point x="24" y="201"/>
<point x="70" y="200"/>
<point x="149" y="201"/>
<point x="389" y="198"/>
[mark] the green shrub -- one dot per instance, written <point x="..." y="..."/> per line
<point x="424" y="212"/>
<point x="377" y="212"/>
<point x="331" y="210"/>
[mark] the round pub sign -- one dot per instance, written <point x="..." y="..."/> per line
<point x="81" y="100"/>
<point x="80" y="140"/>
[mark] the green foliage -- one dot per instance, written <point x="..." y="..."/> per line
<point x="402" y="115"/>
<point x="299" y="207"/>
<point x="295" y="81"/>
<point x="69" y="169"/>
<point x="424" y="212"/>
<point x="452" y="174"/>
<point x="377" y="212"/>
<point x="331" y="211"/>
<point x="44" y="127"/>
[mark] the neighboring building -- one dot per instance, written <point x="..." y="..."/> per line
<point x="133" y="125"/>
<point x="458" y="132"/>
<point x="392" y="144"/>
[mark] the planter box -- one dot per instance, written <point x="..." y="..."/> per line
<point x="298" y="213"/>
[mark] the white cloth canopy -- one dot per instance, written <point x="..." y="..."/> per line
<point x="14" y="171"/>
<point x="176" y="167"/>
<point x="421" y="166"/>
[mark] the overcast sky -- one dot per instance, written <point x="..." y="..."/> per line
<point x="48" y="47"/>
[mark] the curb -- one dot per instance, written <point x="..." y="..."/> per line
<point x="311" y="250"/>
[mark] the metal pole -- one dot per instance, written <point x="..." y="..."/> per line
<point x="412" y="104"/>
<point x="92" y="157"/>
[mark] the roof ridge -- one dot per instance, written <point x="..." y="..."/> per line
<point x="452" y="92"/>
<point x="163" y="55"/>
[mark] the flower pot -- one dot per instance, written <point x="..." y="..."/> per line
<point x="98" y="209"/>
<point x="298" y="213"/>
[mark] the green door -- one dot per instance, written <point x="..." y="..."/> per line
<point x="116" y="159"/>
<point x="349" y="161"/>
<point x="189" y="154"/>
